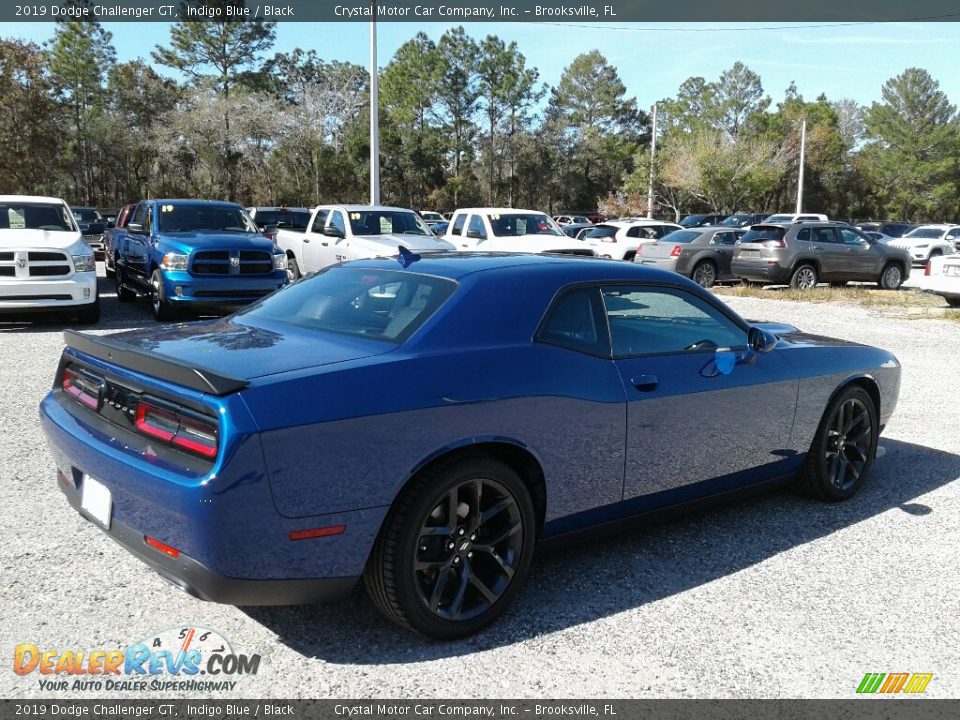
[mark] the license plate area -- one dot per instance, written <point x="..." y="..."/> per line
<point x="750" y="254"/>
<point x="952" y="270"/>
<point x="96" y="501"/>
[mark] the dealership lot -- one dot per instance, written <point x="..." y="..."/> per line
<point x="771" y="597"/>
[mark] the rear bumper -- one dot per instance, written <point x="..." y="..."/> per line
<point x="22" y="295"/>
<point x="200" y="582"/>
<point x="182" y="288"/>
<point x="760" y="271"/>
<point x="234" y="547"/>
<point x="665" y="263"/>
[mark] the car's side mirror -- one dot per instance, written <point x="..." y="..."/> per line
<point x="270" y="229"/>
<point x="111" y="224"/>
<point x="95" y="228"/>
<point x="135" y="227"/>
<point x="761" y="341"/>
<point x="475" y="234"/>
<point x="333" y="231"/>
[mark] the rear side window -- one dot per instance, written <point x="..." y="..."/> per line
<point x="576" y="321"/>
<point x="824" y="235"/>
<point x="458" y="224"/>
<point x="758" y="234"/>
<point x="383" y="305"/>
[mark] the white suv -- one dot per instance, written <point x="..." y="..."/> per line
<point x="510" y="230"/>
<point x="44" y="262"/>
<point x="928" y="241"/>
<point x="619" y="239"/>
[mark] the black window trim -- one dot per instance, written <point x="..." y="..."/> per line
<point x="600" y="284"/>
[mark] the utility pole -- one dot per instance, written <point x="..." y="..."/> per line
<point x="653" y="158"/>
<point x="803" y="150"/>
<point x="374" y="112"/>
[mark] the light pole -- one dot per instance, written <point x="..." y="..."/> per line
<point x="803" y="150"/>
<point x="374" y="112"/>
<point x="653" y="158"/>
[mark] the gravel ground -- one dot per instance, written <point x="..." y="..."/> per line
<point x="778" y="596"/>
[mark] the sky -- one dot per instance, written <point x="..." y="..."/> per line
<point x="846" y="60"/>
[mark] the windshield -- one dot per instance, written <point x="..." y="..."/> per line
<point x="513" y="224"/>
<point x="681" y="236"/>
<point x="35" y="216"/>
<point x="928" y="233"/>
<point x="86" y="214"/>
<point x="759" y="233"/>
<point x="603" y="231"/>
<point x="737" y="220"/>
<point x="779" y="219"/>
<point x="385" y="222"/>
<point x="183" y="217"/>
<point x="298" y="219"/>
<point x="386" y="305"/>
<point x="693" y="220"/>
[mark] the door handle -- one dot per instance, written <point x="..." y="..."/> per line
<point x="306" y="240"/>
<point x="645" y="383"/>
<point x="816" y="247"/>
<point x="325" y="244"/>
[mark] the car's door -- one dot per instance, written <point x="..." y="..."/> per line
<point x="860" y="261"/>
<point x="830" y="253"/>
<point x="722" y="245"/>
<point x="136" y="247"/>
<point x="332" y="249"/>
<point x="700" y="406"/>
<point x="456" y="231"/>
<point x="311" y="248"/>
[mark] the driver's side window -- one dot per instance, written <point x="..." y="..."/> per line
<point x="852" y="237"/>
<point x="319" y="221"/>
<point x="476" y="226"/>
<point x="336" y="220"/>
<point x="657" y="321"/>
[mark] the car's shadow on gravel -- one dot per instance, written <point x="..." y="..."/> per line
<point x="600" y="577"/>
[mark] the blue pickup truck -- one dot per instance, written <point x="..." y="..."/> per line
<point x="186" y="254"/>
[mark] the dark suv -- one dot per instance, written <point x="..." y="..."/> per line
<point x="804" y="254"/>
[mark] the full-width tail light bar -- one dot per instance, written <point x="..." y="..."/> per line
<point x="82" y="387"/>
<point x="181" y="428"/>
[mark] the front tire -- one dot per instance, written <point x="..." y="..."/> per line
<point x="162" y="309"/>
<point x="293" y="270"/>
<point x="843" y="448"/>
<point x="804" y="277"/>
<point x="953" y="302"/>
<point x="891" y="278"/>
<point x="455" y="549"/>
<point x="90" y="314"/>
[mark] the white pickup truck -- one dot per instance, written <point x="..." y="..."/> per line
<point x="44" y="262"/>
<point x="338" y="233"/>
<point x="511" y="230"/>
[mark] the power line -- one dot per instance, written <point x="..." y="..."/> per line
<point x="748" y="29"/>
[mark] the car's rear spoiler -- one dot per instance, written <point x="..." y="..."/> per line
<point x="159" y="366"/>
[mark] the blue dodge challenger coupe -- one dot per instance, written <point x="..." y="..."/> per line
<point x="422" y="422"/>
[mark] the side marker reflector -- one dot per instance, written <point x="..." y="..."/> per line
<point x="317" y="532"/>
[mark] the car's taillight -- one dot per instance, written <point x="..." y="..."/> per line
<point x="181" y="428"/>
<point x="676" y="251"/>
<point x="774" y="244"/>
<point x="927" y="269"/>
<point x="82" y="387"/>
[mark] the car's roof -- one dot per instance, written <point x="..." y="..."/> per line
<point x="29" y="198"/>
<point x="194" y="201"/>
<point x="455" y="265"/>
<point x="279" y="208"/>
<point x="935" y="226"/>
<point x="363" y="208"/>
<point x="501" y="210"/>
<point x="638" y="221"/>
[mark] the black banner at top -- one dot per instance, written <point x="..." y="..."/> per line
<point x="463" y="11"/>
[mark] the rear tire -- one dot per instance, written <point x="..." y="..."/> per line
<point x="953" y="302"/>
<point x="109" y="271"/>
<point x="891" y="278"/>
<point x="843" y="448"/>
<point x="804" y="277"/>
<point x="454" y="550"/>
<point x="704" y="274"/>
<point x="163" y="311"/>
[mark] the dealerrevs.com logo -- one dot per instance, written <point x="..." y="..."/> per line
<point x="893" y="683"/>
<point x="178" y="659"/>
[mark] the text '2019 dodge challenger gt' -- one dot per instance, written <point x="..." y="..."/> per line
<point x="422" y="423"/>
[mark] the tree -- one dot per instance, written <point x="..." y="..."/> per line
<point x="28" y="120"/>
<point x="231" y="49"/>
<point x="600" y="125"/>
<point x="457" y="93"/>
<point x="914" y="142"/>
<point x="80" y="55"/>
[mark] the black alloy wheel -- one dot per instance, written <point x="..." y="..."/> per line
<point x="844" y="446"/>
<point x="455" y="548"/>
